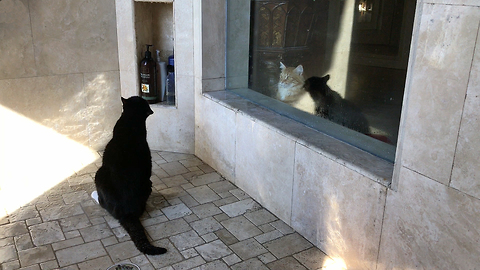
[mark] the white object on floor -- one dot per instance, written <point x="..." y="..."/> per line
<point x="95" y="196"/>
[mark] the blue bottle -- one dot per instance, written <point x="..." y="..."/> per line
<point x="170" y="81"/>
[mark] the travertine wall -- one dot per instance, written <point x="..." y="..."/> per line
<point x="59" y="66"/>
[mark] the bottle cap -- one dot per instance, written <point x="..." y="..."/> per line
<point x="148" y="54"/>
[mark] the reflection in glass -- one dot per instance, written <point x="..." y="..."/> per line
<point x="344" y="61"/>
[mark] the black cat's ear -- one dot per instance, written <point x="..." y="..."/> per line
<point x="123" y="100"/>
<point x="326" y="78"/>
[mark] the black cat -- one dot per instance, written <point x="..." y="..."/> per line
<point x="123" y="182"/>
<point x="330" y="105"/>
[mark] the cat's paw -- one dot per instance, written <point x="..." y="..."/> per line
<point x="95" y="196"/>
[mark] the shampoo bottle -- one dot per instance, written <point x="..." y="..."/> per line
<point x="148" y="78"/>
<point x="161" y="77"/>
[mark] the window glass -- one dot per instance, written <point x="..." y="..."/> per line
<point x="337" y="66"/>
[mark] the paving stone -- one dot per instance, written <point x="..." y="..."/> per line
<point x="226" y="200"/>
<point x="288" y="263"/>
<point x="32" y="267"/>
<point x="192" y="174"/>
<point x="205" y="168"/>
<point x="46" y="233"/>
<point x="170" y="258"/>
<point x="189" y="253"/>
<point x="173" y="192"/>
<point x="151" y="221"/>
<point x="248" y="249"/>
<point x="203" y="194"/>
<point x="168" y="229"/>
<point x="266" y="228"/>
<point x="76" y="197"/>
<point x="269" y="236"/>
<point x="95" y="211"/>
<point x="75" y="223"/>
<point x="209" y="237"/>
<point x="205" y="179"/>
<point x="174" y="181"/>
<point x="173" y="156"/>
<point x="7" y="241"/>
<point x="71" y="234"/>
<point x="249" y="265"/>
<point x="36" y="255"/>
<point x="240" y="207"/>
<point x="109" y="241"/>
<point x="222" y="186"/>
<point x="79" y="180"/>
<point x="174" y="168"/>
<point x="215" y="265"/>
<point x="80" y="253"/>
<point x="189" y="201"/>
<point x="268" y="258"/>
<point x="67" y="243"/>
<point x="159" y="172"/>
<point x="206" y="210"/>
<point x="260" y="217"/>
<point x="13" y="229"/>
<point x="50" y="265"/>
<point x="282" y="227"/>
<point x="12" y="265"/>
<point x="60" y="212"/>
<point x="122" y="251"/>
<point x="221" y="217"/>
<point x="240" y="194"/>
<point x="213" y="250"/>
<point x="206" y="225"/>
<point x="241" y="227"/>
<point x="189" y="263"/>
<point x="176" y="211"/>
<point x="312" y="258"/>
<point x="226" y="237"/>
<point x="96" y="232"/>
<point x="186" y="240"/>
<point x="191" y="218"/>
<point x="288" y="245"/>
<point x="24" y="213"/>
<point x="8" y="253"/>
<point x="33" y="221"/>
<point x="191" y="162"/>
<point x="23" y="242"/>
<point x="101" y="263"/>
<point x="232" y="259"/>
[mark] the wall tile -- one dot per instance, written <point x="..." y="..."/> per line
<point x="443" y="57"/>
<point x="183" y="37"/>
<point x="264" y="165"/>
<point x="56" y="102"/>
<point x="337" y="209"/>
<point x="215" y="137"/>
<point x="17" y="46"/>
<point x="430" y="226"/>
<point x="73" y="36"/>
<point x="466" y="168"/>
<point x="103" y="106"/>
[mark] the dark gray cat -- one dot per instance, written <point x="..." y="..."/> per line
<point x="330" y="105"/>
<point x="123" y="182"/>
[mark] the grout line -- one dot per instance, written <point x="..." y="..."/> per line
<point x="475" y="51"/>
<point x="381" y="226"/>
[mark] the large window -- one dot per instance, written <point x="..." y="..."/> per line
<point x="337" y="66"/>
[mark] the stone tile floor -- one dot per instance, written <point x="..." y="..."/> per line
<point x="203" y="220"/>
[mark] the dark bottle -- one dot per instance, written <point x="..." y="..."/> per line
<point x="170" y="81"/>
<point x="148" y="78"/>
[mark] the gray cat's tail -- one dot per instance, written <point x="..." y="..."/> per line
<point x="137" y="233"/>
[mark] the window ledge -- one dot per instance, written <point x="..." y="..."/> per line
<point x="360" y="161"/>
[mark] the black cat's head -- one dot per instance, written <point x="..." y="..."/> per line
<point x="136" y="106"/>
<point x="317" y="85"/>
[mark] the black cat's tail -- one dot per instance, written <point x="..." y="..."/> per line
<point x="137" y="233"/>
